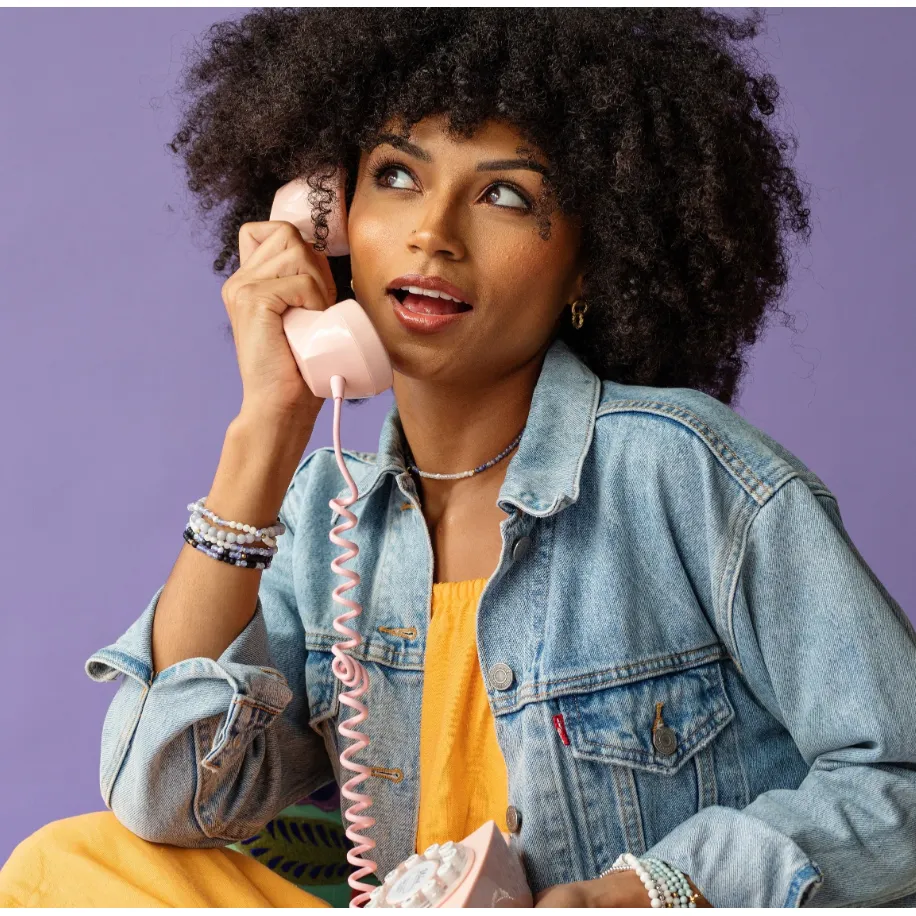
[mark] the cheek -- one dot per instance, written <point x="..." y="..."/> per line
<point x="532" y="270"/>
<point x="371" y="250"/>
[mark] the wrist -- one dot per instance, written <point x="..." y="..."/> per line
<point x="623" y="883"/>
<point x="622" y="887"/>
<point x="259" y="417"/>
<point x="255" y="469"/>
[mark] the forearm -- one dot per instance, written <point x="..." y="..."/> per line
<point x="205" y="603"/>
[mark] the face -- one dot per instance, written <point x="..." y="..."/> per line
<point x="432" y="211"/>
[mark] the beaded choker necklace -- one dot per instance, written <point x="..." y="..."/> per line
<point x="414" y="469"/>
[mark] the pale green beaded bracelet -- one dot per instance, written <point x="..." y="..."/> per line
<point x="673" y="882"/>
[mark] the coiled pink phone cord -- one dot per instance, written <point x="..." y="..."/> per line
<point x="353" y="675"/>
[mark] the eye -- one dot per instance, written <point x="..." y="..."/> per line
<point x="392" y="166"/>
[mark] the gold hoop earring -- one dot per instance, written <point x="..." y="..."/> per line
<point x="578" y="317"/>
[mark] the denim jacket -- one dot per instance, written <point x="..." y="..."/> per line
<point x="684" y="652"/>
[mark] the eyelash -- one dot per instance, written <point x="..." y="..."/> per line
<point x="384" y="164"/>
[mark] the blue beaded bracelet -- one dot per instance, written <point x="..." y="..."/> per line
<point x="237" y="556"/>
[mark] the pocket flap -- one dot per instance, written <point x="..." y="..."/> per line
<point x="322" y="686"/>
<point x="245" y="717"/>
<point x="623" y="724"/>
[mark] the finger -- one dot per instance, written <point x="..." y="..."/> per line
<point x="291" y="262"/>
<point x="258" y="241"/>
<point x="284" y="235"/>
<point x="301" y="291"/>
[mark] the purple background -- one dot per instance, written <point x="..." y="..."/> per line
<point x="119" y="381"/>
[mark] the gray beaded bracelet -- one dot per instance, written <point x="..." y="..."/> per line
<point x="237" y="557"/>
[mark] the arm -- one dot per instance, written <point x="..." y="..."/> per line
<point x="831" y="655"/>
<point x="204" y="752"/>
<point x="205" y="603"/>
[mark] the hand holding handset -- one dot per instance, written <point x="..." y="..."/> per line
<point x="339" y="341"/>
<point x="340" y="354"/>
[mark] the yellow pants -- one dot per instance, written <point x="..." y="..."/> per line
<point x="93" y="860"/>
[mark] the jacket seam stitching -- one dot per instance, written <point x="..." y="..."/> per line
<point x="704" y="655"/>
<point x="124" y="740"/>
<point x="691" y="743"/>
<point x="195" y="803"/>
<point x="732" y="575"/>
<point x="716" y="444"/>
<point x="247" y="701"/>
<point x="739" y="568"/>
<point x="693" y="657"/>
<point x="587" y="444"/>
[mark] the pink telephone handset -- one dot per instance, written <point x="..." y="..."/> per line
<point x="340" y="354"/>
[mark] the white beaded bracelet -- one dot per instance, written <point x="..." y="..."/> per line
<point x="249" y="533"/>
<point x="220" y="538"/>
<point x="666" y="886"/>
<point x="648" y="882"/>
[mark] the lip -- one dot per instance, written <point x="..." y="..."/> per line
<point x="436" y="283"/>
<point x="423" y="324"/>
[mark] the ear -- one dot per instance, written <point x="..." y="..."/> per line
<point x="578" y="289"/>
<point x="291" y="203"/>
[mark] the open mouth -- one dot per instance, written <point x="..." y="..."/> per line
<point x="428" y="305"/>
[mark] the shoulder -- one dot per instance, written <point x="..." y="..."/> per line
<point x="658" y="425"/>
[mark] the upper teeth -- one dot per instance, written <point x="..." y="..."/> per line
<point x="420" y="291"/>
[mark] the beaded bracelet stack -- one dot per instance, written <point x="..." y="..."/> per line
<point x="666" y="886"/>
<point x="231" y="546"/>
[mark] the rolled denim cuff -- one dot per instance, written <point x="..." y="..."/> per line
<point x="245" y="664"/>
<point x="738" y="860"/>
<point x="241" y="686"/>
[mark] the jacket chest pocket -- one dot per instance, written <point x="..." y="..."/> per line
<point x="650" y="753"/>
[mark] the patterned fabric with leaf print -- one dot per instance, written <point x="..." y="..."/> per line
<point x="306" y="844"/>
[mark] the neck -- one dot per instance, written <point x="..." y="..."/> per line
<point x="450" y="430"/>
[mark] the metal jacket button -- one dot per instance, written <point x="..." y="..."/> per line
<point x="501" y="676"/>
<point x="521" y="548"/>
<point x="665" y="740"/>
<point x="513" y="819"/>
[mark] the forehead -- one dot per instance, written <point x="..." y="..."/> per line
<point x="492" y="135"/>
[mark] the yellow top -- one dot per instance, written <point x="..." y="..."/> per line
<point x="463" y="779"/>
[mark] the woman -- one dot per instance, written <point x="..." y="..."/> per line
<point x="627" y="629"/>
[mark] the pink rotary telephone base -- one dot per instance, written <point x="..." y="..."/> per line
<point x="480" y="871"/>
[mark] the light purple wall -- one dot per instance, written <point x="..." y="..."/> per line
<point x="118" y="381"/>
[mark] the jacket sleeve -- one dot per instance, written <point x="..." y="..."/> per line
<point x="207" y="751"/>
<point x="831" y="655"/>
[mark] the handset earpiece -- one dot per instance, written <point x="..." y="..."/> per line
<point x="339" y="340"/>
<point x="291" y="204"/>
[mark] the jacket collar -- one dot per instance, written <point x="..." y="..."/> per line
<point x="544" y="471"/>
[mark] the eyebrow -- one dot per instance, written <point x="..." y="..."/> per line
<point x="490" y="165"/>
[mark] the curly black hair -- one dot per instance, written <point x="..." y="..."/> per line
<point x="658" y="135"/>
